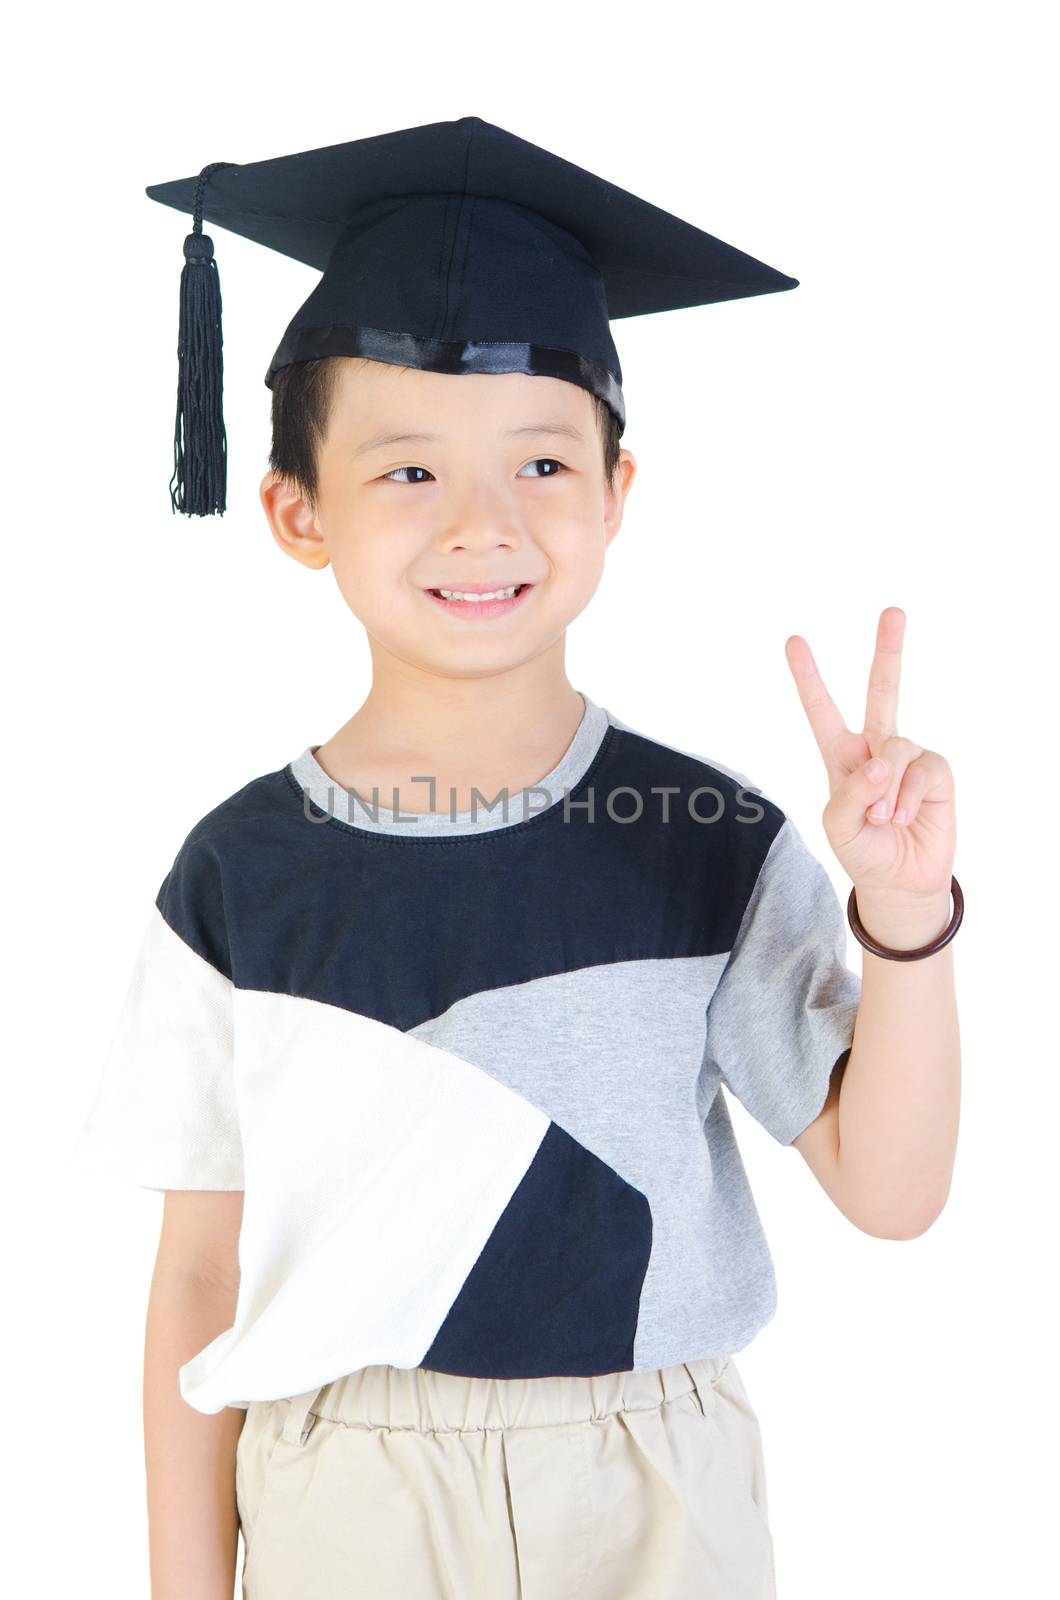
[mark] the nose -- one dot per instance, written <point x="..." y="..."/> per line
<point x="481" y="524"/>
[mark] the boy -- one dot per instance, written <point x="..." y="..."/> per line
<point x="426" y="1038"/>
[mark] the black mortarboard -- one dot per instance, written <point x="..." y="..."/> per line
<point x="454" y="247"/>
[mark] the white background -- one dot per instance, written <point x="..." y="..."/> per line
<point x="882" y="435"/>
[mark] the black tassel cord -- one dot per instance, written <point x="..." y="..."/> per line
<point x="198" y="484"/>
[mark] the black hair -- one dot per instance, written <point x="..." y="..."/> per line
<point x="301" y="403"/>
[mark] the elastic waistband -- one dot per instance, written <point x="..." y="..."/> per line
<point x="431" y="1402"/>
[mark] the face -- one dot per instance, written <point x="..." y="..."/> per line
<point x="499" y="483"/>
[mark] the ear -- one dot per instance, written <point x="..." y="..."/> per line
<point x="293" y="522"/>
<point x="615" y="494"/>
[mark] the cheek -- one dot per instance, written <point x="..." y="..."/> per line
<point x="575" y="547"/>
<point x="371" y="575"/>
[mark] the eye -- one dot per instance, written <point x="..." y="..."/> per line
<point x="548" y="461"/>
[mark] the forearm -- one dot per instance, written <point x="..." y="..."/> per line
<point x="899" y="1102"/>
<point x="189" y="1457"/>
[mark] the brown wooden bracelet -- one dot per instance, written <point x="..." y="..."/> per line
<point x="863" y="936"/>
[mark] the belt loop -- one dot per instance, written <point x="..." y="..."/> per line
<point x="705" y="1375"/>
<point x="297" y="1426"/>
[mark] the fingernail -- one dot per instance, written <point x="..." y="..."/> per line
<point x="876" y="770"/>
<point x="879" y="809"/>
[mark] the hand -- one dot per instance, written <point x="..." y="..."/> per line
<point x="901" y="860"/>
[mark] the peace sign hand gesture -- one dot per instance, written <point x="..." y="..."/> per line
<point x="894" y="831"/>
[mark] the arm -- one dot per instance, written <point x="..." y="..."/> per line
<point x="190" y="1457"/>
<point x="884" y="1146"/>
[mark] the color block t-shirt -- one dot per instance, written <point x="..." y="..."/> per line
<point x="469" y="1069"/>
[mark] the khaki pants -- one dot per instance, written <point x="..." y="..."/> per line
<point x="404" y="1482"/>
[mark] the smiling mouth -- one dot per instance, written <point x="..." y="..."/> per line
<point x="475" y="596"/>
<point x="486" y="603"/>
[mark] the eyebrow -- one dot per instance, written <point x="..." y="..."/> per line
<point x="565" y="430"/>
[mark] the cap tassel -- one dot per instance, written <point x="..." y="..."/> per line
<point x="198" y="484"/>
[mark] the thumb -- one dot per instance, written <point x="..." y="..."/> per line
<point x="862" y="788"/>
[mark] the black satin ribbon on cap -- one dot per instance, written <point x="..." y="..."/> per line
<point x="449" y="355"/>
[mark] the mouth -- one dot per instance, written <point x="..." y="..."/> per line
<point x="478" y="602"/>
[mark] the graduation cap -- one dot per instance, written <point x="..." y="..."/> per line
<point x="452" y="247"/>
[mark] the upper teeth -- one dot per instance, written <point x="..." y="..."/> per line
<point x="496" y="594"/>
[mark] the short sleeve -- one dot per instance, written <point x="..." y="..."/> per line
<point x="784" y="1009"/>
<point x="165" y="1113"/>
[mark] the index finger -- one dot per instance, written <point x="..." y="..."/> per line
<point x="824" y="715"/>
